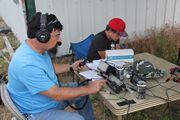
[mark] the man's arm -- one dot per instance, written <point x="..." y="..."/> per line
<point x="61" y="68"/>
<point x="63" y="93"/>
<point x="117" y="46"/>
<point x="102" y="54"/>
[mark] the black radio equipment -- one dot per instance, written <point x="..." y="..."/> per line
<point x="109" y="72"/>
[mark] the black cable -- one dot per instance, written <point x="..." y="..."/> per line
<point x="78" y="108"/>
<point x="85" y="82"/>
<point x="159" y="84"/>
<point x="168" y="106"/>
<point x="2" y="78"/>
<point x="168" y="99"/>
<point x="129" y="105"/>
<point x="156" y="96"/>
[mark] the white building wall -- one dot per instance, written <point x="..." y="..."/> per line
<point x="13" y="15"/>
<point x="83" y="17"/>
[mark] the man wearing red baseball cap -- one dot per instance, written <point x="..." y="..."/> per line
<point x="107" y="39"/>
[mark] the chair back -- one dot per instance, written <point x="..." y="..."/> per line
<point x="80" y="49"/>
<point x="9" y="103"/>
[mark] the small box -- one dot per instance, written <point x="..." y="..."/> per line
<point x="122" y="55"/>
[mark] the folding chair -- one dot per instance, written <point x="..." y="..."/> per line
<point x="9" y="104"/>
<point x="80" y="49"/>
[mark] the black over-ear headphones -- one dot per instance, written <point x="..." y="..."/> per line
<point x="43" y="35"/>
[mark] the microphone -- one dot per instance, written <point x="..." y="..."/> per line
<point x="82" y="63"/>
<point x="59" y="43"/>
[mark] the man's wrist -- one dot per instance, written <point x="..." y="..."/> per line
<point x="71" y="68"/>
<point x="86" y="89"/>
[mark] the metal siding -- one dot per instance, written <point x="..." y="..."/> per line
<point x="74" y="19"/>
<point x="160" y="16"/>
<point x="100" y="15"/>
<point x="131" y="16"/>
<point x="151" y="14"/>
<point x="44" y="6"/>
<point x="141" y="15"/>
<point x="61" y="11"/>
<point x="170" y="9"/>
<point x="120" y="9"/>
<point x="177" y="12"/>
<point x="87" y="17"/>
<point x="83" y="17"/>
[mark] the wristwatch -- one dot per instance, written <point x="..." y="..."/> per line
<point x="71" y="68"/>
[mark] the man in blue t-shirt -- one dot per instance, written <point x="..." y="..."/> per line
<point x="33" y="85"/>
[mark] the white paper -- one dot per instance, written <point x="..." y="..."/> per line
<point x="90" y="74"/>
<point x="96" y="62"/>
<point x="92" y="66"/>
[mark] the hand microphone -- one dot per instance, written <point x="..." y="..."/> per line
<point x="82" y="63"/>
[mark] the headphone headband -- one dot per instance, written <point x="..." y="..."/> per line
<point x="52" y="22"/>
<point x="43" y="21"/>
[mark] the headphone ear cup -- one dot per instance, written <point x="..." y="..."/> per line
<point x="43" y="36"/>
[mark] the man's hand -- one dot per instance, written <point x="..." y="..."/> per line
<point x="117" y="46"/>
<point x="75" y="66"/>
<point x="95" y="86"/>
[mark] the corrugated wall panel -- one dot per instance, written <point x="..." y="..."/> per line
<point x="120" y="9"/>
<point x="100" y="14"/>
<point x="74" y="19"/>
<point x="141" y="15"/>
<point x="87" y="15"/>
<point x="177" y="12"/>
<point x="44" y="6"/>
<point x="131" y="7"/>
<point x="151" y="14"/>
<point x="160" y="13"/>
<point x="170" y="10"/>
<point x="83" y="17"/>
<point x="63" y="16"/>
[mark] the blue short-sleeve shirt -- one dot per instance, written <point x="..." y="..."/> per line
<point x="30" y="73"/>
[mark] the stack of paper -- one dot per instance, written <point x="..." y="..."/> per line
<point x="90" y="74"/>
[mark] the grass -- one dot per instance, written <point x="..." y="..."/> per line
<point x="163" y="43"/>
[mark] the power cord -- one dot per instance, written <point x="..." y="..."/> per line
<point x="167" y="89"/>
<point x="3" y="78"/>
<point x="85" y="82"/>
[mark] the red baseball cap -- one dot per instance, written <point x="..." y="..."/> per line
<point x="119" y="25"/>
